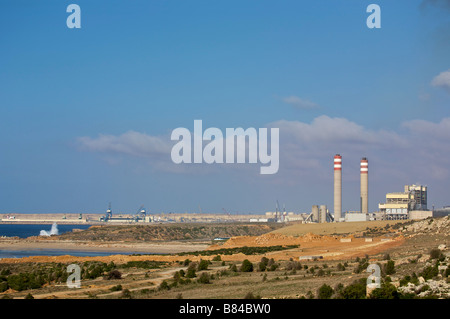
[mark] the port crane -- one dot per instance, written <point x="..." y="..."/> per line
<point x="108" y="215"/>
<point x="140" y="214"/>
<point x="276" y="211"/>
<point x="228" y="214"/>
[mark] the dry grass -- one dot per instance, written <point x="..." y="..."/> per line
<point x="278" y="284"/>
<point x="332" y="228"/>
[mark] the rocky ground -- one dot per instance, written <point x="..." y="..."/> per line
<point x="423" y="238"/>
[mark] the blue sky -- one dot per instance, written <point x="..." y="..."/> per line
<point x="313" y="69"/>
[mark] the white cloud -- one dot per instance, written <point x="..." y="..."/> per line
<point x="131" y="143"/>
<point x="300" y="103"/>
<point x="331" y="131"/>
<point x="307" y="149"/>
<point x="418" y="150"/>
<point x="429" y="130"/>
<point x="442" y="80"/>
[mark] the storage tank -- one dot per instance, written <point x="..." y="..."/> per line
<point x="323" y="213"/>
<point x="315" y="213"/>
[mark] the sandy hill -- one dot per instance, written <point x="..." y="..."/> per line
<point x="333" y="228"/>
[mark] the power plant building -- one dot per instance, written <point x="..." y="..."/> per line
<point x="356" y="217"/>
<point x="410" y="204"/>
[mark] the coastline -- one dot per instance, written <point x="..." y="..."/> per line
<point x="170" y="247"/>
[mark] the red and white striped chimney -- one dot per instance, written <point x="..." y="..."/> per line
<point x="337" y="187"/>
<point x="364" y="185"/>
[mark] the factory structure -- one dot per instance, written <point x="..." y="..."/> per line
<point x="320" y="213"/>
<point x="410" y="204"/>
<point x="140" y="217"/>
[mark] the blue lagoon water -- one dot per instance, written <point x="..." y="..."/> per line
<point x="27" y="230"/>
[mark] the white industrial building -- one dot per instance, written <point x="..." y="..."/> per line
<point x="410" y="204"/>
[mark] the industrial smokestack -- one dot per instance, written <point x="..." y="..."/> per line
<point x="364" y="185"/>
<point x="337" y="187"/>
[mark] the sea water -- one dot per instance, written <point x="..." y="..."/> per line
<point x="27" y="230"/>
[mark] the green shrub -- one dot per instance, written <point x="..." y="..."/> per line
<point x="24" y="281"/>
<point x="262" y="265"/>
<point x="163" y="286"/>
<point x="3" y="286"/>
<point x="405" y="280"/>
<point x="5" y="272"/>
<point x="435" y="253"/>
<point x="177" y="276"/>
<point x="246" y="266"/>
<point x="429" y="272"/>
<point x="362" y="266"/>
<point x="273" y="267"/>
<point x="186" y="262"/>
<point x="387" y="291"/>
<point x="244" y="250"/>
<point x="389" y="268"/>
<point x="190" y="273"/>
<point x="145" y="264"/>
<point x="339" y="287"/>
<point x="116" y="288"/>
<point x="204" y="278"/>
<point x="324" y="292"/>
<point x="357" y="290"/>
<point x="202" y="265"/>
